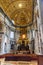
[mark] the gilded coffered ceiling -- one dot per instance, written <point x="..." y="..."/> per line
<point x="18" y="10"/>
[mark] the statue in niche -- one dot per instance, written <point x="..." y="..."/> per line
<point x="5" y="48"/>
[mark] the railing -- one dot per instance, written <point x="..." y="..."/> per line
<point x="20" y="52"/>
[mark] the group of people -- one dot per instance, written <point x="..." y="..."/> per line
<point x="22" y="47"/>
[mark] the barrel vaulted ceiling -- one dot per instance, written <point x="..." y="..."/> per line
<point x="18" y="10"/>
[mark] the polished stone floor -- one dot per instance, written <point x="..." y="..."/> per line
<point x="3" y="62"/>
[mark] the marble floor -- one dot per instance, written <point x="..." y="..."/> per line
<point x="3" y="62"/>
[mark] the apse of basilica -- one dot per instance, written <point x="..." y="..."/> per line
<point x="21" y="32"/>
<point x="21" y="27"/>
